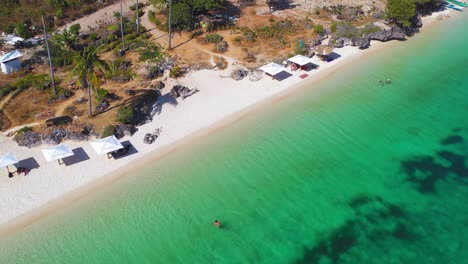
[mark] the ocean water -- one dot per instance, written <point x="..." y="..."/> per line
<point x="361" y="173"/>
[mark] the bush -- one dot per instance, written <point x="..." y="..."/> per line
<point x="24" y="129"/>
<point x="369" y="28"/>
<point x="101" y="93"/>
<point x="237" y="39"/>
<point x="108" y="131"/>
<point x="213" y="38"/>
<point x="196" y="33"/>
<point x="152" y="18"/>
<point x="125" y="114"/>
<point x="175" y="72"/>
<point x="318" y="28"/>
<point x="133" y="7"/>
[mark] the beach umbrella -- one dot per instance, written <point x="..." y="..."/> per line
<point x="300" y="60"/>
<point x="272" y="68"/>
<point x="7" y="159"/>
<point x="106" y="145"/>
<point x="57" y="152"/>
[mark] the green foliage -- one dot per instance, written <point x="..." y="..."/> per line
<point x="213" y="38"/>
<point x="152" y="18"/>
<point x="149" y="51"/>
<point x="108" y="131"/>
<point x="140" y="5"/>
<point x="101" y="93"/>
<point x="277" y="30"/>
<point x="75" y="29"/>
<point x="24" y="129"/>
<point x="125" y="114"/>
<point x="38" y="81"/>
<point x="184" y="11"/>
<point x="401" y="11"/>
<point x="333" y="26"/>
<point x="318" y="28"/>
<point x="175" y="72"/>
<point x="23" y="31"/>
<point x="347" y="30"/>
<point x="369" y="28"/>
<point x="196" y="33"/>
<point x="248" y="33"/>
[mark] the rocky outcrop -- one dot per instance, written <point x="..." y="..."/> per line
<point x="255" y="75"/>
<point x="182" y="91"/>
<point x="124" y="130"/>
<point x="54" y="136"/>
<point x="239" y="74"/>
<point x="28" y="139"/>
<point x="393" y="33"/>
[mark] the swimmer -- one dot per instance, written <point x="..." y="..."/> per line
<point x="388" y="81"/>
<point x="217" y="223"/>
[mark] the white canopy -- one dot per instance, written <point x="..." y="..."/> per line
<point x="300" y="59"/>
<point x="272" y="68"/>
<point x="57" y="152"/>
<point x="7" y="159"/>
<point x="106" y="145"/>
<point x="10" y="56"/>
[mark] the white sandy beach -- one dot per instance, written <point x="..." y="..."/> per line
<point x="219" y="101"/>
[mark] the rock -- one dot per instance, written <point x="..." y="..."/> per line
<point x="159" y="85"/>
<point x="121" y="53"/>
<point x="182" y="91"/>
<point x="102" y="106"/>
<point x="28" y="139"/>
<point x="239" y="74"/>
<point x="222" y="46"/>
<point x="143" y="107"/>
<point x="255" y="75"/>
<point x="387" y="34"/>
<point x="76" y="136"/>
<point x="54" y="136"/>
<point x="80" y="100"/>
<point x="149" y="138"/>
<point x="124" y="130"/>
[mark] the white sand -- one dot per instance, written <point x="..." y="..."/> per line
<point x="219" y="99"/>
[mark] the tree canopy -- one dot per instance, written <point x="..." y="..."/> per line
<point x="401" y="11"/>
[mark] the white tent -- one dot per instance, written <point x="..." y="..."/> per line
<point x="7" y="159"/>
<point x="57" y="152"/>
<point x="106" y="145"/>
<point x="272" y="68"/>
<point x="300" y="60"/>
<point x="10" y="62"/>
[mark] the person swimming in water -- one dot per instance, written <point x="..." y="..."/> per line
<point x="217" y="223"/>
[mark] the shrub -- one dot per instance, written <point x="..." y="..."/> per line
<point x="125" y="114"/>
<point x="401" y="11"/>
<point x="237" y="39"/>
<point x="175" y="72"/>
<point x="152" y="18"/>
<point x="369" y="28"/>
<point x="196" y="33"/>
<point x="24" y="129"/>
<point x="318" y="28"/>
<point x="108" y="131"/>
<point x="333" y="26"/>
<point x="213" y="38"/>
<point x="101" y="93"/>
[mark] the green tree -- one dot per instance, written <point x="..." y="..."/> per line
<point x="401" y="11"/>
<point x="89" y="68"/>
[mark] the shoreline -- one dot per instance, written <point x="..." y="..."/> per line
<point x="24" y="201"/>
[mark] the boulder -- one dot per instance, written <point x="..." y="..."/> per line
<point x="149" y="138"/>
<point x="182" y="91"/>
<point x="54" y="136"/>
<point x="102" y="106"/>
<point x="255" y="75"/>
<point x="143" y="107"/>
<point x="124" y="130"/>
<point x="387" y="34"/>
<point x="28" y="139"/>
<point x="222" y="46"/>
<point x="239" y="74"/>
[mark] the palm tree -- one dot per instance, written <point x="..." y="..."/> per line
<point x="137" y="18"/>
<point x="89" y="68"/>
<point x="50" y="59"/>
<point x="121" y="26"/>
<point x="169" y="22"/>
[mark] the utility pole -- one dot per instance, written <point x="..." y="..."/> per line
<point x="170" y="13"/>
<point x="50" y="59"/>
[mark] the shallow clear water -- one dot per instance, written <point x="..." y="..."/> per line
<point x="360" y="174"/>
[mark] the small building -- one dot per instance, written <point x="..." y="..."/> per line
<point x="10" y="61"/>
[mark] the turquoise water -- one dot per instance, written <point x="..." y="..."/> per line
<point x="360" y="174"/>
